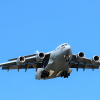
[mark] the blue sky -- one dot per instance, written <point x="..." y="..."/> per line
<point x="30" y="25"/>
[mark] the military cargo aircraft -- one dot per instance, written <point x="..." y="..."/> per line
<point x="57" y="63"/>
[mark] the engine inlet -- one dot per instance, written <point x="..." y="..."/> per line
<point x="81" y="54"/>
<point x="41" y="55"/>
<point x="22" y="59"/>
<point x="96" y="58"/>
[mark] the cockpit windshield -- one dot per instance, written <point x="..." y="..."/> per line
<point x="61" y="46"/>
<point x="65" y="44"/>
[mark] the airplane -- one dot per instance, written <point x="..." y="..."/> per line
<point x="57" y="63"/>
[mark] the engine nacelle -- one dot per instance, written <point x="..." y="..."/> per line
<point x="95" y="60"/>
<point x="20" y="60"/>
<point x="80" y="55"/>
<point x="39" y="56"/>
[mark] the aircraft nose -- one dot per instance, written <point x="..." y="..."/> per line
<point x="68" y="50"/>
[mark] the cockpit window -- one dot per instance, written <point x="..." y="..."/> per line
<point x="65" y="44"/>
<point x="62" y="45"/>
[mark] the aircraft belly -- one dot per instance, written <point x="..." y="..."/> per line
<point x="58" y="66"/>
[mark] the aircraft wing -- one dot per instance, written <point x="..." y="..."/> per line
<point x="24" y="56"/>
<point x="30" y="62"/>
<point x="83" y="63"/>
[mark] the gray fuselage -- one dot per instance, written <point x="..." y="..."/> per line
<point x="57" y="62"/>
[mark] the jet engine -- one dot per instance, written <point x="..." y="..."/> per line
<point x="95" y="60"/>
<point x="20" y="60"/>
<point x="39" y="56"/>
<point x="80" y="55"/>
